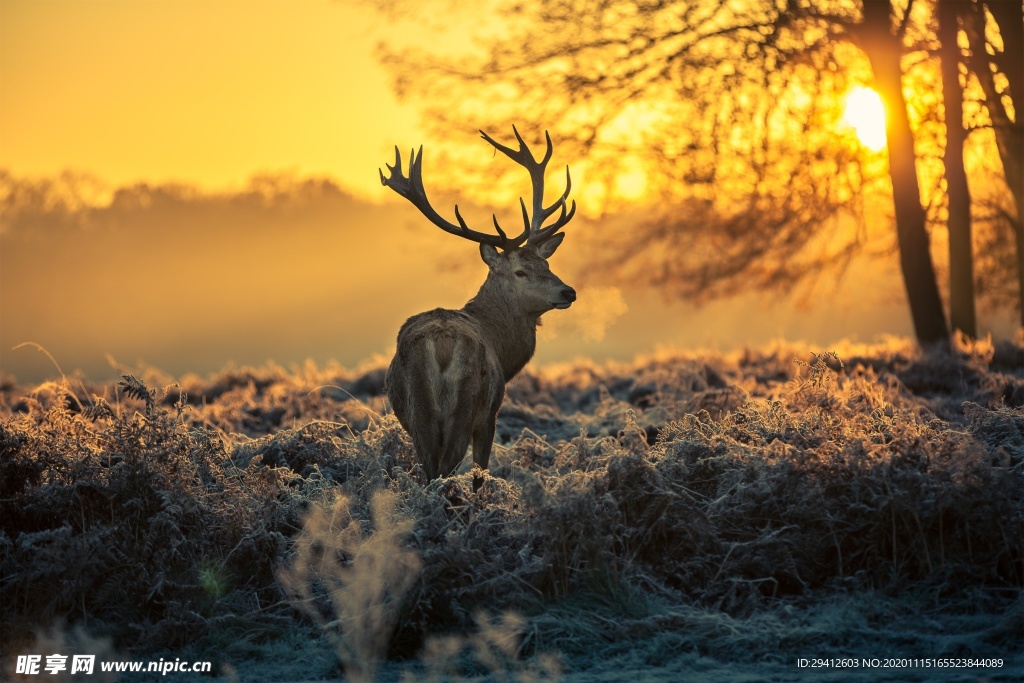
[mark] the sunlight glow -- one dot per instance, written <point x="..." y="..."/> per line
<point x="631" y="185"/>
<point x="865" y="113"/>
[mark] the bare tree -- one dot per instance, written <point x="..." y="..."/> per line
<point x="1007" y="18"/>
<point x="733" y="142"/>
<point x="961" y="271"/>
<point x="727" y="110"/>
<point x="885" y="50"/>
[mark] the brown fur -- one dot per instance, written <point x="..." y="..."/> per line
<point x="444" y="347"/>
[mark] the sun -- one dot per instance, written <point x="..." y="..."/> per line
<point x="865" y="113"/>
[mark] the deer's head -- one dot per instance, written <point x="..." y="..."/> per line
<point x="518" y="266"/>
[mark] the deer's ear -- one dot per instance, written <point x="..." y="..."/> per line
<point x="546" y="248"/>
<point x="489" y="254"/>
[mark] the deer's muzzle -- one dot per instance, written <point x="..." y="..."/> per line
<point x="568" y="296"/>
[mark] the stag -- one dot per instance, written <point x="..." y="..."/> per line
<point x="447" y="379"/>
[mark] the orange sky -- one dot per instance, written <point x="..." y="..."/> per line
<point x="209" y="93"/>
<point x="199" y="92"/>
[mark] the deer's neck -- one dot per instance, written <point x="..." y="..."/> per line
<point x="511" y="333"/>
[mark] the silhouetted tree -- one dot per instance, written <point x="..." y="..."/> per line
<point x="884" y="49"/>
<point x="1008" y="19"/>
<point x="961" y="271"/>
<point x="727" y="111"/>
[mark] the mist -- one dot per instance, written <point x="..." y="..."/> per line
<point x="287" y="269"/>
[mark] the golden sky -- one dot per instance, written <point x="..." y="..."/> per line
<point x="210" y="93"/>
<point x="206" y="93"/>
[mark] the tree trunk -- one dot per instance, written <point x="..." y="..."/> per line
<point x="884" y="50"/>
<point x="961" y="270"/>
<point x="1009" y="17"/>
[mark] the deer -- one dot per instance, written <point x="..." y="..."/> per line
<point x="447" y="379"/>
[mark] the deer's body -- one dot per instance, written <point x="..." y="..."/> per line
<point x="445" y="384"/>
<point x="447" y="379"/>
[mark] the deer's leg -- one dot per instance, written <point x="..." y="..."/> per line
<point x="426" y="440"/>
<point x="455" y="441"/>
<point x="483" y="441"/>
<point x="421" y="418"/>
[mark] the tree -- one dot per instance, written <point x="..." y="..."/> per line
<point x="727" y="110"/>
<point x="885" y="50"/>
<point x="1007" y="19"/>
<point x="961" y="271"/>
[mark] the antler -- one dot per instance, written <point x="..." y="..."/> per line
<point x="411" y="187"/>
<point x="534" y="231"/>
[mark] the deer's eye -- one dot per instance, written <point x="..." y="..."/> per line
<point x="520" y="273"/>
